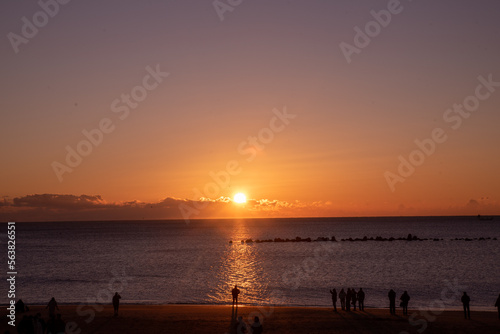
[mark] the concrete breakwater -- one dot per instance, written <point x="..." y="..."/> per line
<point x="365" y="238"/>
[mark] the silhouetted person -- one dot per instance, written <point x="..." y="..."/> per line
<point x="235" y="293"/>
<point x="20" y="306"/>
<point x="116" y="303"/>
<point x="240" y="326"/>
<point x="361" y="299"/>
<point x="497" y="305"/>
<point x="466" y="301"/>
<point x="257" y="326"/>
<point x="348" y="297"/>
<point x="354" y="298"/>
<point x="405" y="298"/>
<point x="392" y="301"/>
<point x="342" y="296"/>
<point x="52" y="305"/>
<point x="334" y="299"/>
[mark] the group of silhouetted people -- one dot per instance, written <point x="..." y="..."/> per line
<point x="351" y="297"/>
<point x="36" y="325"/>
<point x="405" y="298"/>
<point x="30" y="324"/>
<point x="240" y="326"/>
<point x="55" y="325"/>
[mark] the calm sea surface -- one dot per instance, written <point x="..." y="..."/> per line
<point x="175" y="262"/>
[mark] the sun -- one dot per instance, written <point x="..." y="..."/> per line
<point x="240" y="198"/>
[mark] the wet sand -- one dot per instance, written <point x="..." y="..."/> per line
<point x="216" y="319"/>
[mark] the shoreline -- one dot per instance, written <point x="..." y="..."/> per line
<point x="136" y="304"/>
<point x="205" y="318"/>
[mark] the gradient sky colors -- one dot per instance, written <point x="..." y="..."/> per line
<point x="227" y="81"/>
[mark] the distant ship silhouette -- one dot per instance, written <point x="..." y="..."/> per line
<point x="484" y="217"/>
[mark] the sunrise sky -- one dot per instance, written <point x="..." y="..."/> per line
<point x="262" y="94"/>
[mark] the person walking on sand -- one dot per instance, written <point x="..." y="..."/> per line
<point x="116" y="303"/>
<point x="466" y="301"/>
<point x="497" y="304"/>
<point x="405" y="298"/>
<point x="354" y="298"/>
<point x="361" y="299"/>
<point x="342" y="299"/>
<point x="392" y="301"/>
<point x="235" y="293"/>
<point x="52" y="305"/>
<point x="334" y="299"/>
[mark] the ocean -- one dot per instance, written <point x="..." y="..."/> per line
<point x="172" y="262"/>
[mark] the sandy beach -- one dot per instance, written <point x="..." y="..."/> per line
<point x="217" y="319"/>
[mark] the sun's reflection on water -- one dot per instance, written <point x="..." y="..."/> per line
<point x="240" y="264"/>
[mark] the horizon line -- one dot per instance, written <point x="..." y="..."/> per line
<point x="252" y="218"/>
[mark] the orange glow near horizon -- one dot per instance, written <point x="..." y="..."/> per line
<point x="307" y="135"/>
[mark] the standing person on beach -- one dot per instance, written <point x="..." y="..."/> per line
<point x="354" y="298"/>
<point x="392" y="301"/>
<point x="21" y="306"/>
<point x="116" y="303"/>
<point x="466" y="301"/>
<point x="334" y="299"/>
<point x="348" y="296"/>
<point x="361" y="299"/>
<point x="405" y="298"/>
<point x="497" y="304"/>
<point x="342" y="299"/>
<point x="235" y="293"/>
<point x="52" y="305"/>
